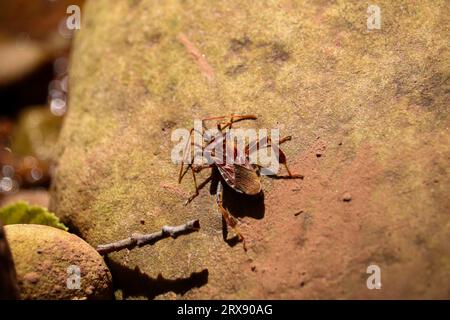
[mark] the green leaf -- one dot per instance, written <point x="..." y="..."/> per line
<point x="23" y="213"/>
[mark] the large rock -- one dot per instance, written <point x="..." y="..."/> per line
<point x="368" y="111"/>
<point x="48" y="260"/>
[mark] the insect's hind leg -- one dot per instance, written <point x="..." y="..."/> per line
<point x="267" y="143"/>
<point x="197" y="187"/>
<point x="229" y="219"/>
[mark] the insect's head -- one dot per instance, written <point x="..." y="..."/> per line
<point x="257" y="168"/>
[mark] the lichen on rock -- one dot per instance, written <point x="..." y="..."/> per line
<point x="23" y="213"/>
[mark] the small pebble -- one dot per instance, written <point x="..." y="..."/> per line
<point x="347" y="197"/>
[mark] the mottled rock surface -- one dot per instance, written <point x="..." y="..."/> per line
<point x="43" y="256"/>
<point x="36" y="133"/>
<point x="368" y="111"/>
<point x="33" y="197"/>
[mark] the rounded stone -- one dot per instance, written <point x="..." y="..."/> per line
<point x="47" y="262"/>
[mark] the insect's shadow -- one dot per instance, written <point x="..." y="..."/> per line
<point x="239" y="205"/>
<point x="135" y="283"/>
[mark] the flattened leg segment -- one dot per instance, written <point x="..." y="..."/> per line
<point x="229" y="219"/>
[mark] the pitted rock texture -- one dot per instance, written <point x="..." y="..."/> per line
<point x="368" y="112"/>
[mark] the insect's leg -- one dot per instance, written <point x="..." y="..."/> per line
<point x="231" y="121"/>
<point x="234" y="118"/>
<point x="266" y="142"/>
<point x="285" y="139"/>
<point x="289" y="171"/>
<point x="283" y="160"/>
<point x="224" y="125"/>
<point x="229" y="219"/>
<point x="197" y="169"/>
<point x="181" y="173"/>
<point x="189" y="165"/>
<point x="197" y="189"/>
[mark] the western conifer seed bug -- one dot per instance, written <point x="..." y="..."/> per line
<point x="240" y="175"/>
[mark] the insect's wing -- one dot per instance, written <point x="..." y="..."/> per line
<point x="241" y="178"/>
<point x="247" y="180"/>
<point x="227" y="173"/>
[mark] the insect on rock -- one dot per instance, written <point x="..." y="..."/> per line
<point x="236" y="171"/>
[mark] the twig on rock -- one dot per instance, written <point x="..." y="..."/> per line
<point x="139" y="240"/>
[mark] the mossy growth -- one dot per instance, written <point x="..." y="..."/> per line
<point x="23" y="213"/>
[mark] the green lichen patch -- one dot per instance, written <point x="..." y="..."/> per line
<point x="23" y="213"/>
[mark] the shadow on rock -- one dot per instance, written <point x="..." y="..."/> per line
<point x="135" y="283"/>
<point x="238" y="204"/>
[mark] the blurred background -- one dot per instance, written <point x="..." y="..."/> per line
<point x="34" y="56"/>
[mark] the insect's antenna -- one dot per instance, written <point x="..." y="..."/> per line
<point x="244" y="117"/>
<point x="236" y="117"/>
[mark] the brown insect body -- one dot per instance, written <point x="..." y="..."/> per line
<point x="246" y="180"/>
<point x="239" y="174"/>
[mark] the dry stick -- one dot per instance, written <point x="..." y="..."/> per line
<point x="139" y="240"/>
